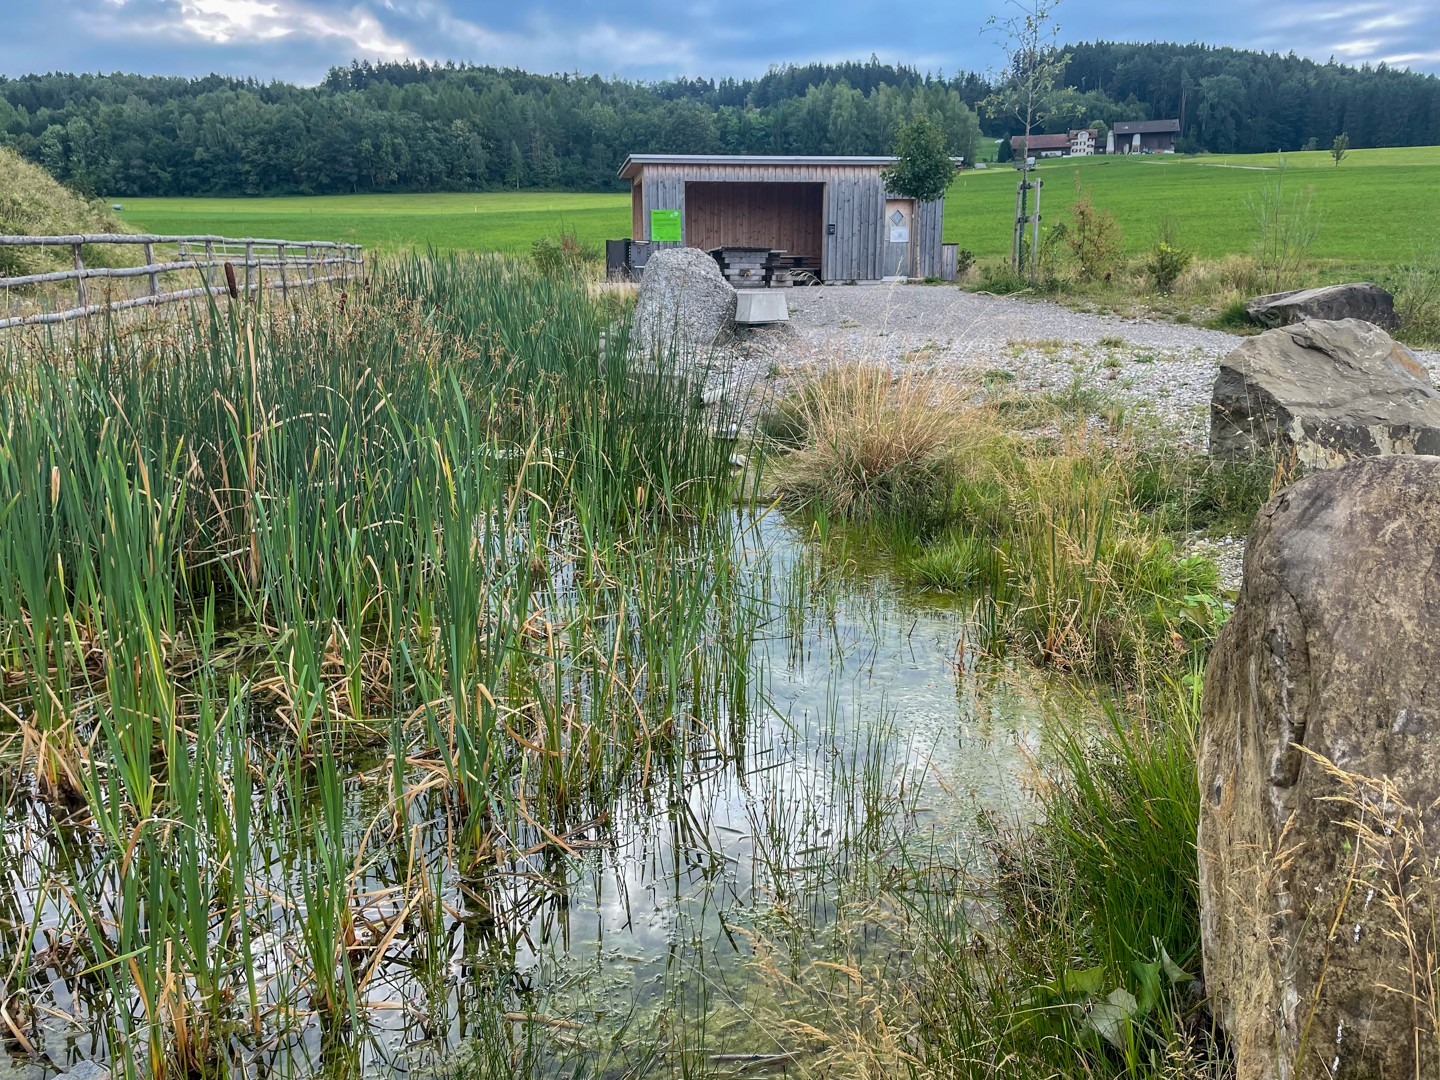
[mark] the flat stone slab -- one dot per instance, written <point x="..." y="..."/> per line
<point x="756" y="306"/>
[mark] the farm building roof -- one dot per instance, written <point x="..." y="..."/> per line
<point x="1042" y="142"/>
<point x="635" y="161"/>
<point x="1147" y="127"/>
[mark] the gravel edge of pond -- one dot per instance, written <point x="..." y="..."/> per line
<point x="1164" y="371"/>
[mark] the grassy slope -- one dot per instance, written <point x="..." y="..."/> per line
<point x="32" y="203"/>
<point x="1375" y="208"/>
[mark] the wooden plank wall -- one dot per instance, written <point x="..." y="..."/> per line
<point x="853" y="201"/>
<point x="749" y="214"/>
<point x="929" y="230"/>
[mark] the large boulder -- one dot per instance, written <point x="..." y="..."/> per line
<point x="1323" y="393"/>
<point x="685" y="302"/>
<point x="1319" y="763"/>
<point x="1359" y="300"/>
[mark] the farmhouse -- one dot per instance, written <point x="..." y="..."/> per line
<point x="832" y="215"/>
<point x="1143" y="137"/>
<point x="1078" y="143"/>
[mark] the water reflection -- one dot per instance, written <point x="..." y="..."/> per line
<point x="645" y="937"/>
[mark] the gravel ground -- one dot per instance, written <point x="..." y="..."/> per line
<point x="1164" y="368"/>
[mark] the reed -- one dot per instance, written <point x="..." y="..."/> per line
<point x="243" y="555"/>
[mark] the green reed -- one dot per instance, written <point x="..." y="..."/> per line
<point x="244" y="555"/>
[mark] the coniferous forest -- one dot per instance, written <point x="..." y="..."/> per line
<point x="421" y="127"/>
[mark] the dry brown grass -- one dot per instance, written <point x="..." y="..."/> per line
<point x="875" y="444"/>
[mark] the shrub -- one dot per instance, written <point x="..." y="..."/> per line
<point x="1167" y="259"/>
<point x="1093" y="237"/>
<point x="1285" y="229"/>
<point x="564" y="254"/>
<point x="1417" y="299"/>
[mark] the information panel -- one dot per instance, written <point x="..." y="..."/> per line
<point x="664" y="226"/>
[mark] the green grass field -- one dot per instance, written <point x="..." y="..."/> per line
<point x="1377" y="209"/>
<point x="491" y="221"/>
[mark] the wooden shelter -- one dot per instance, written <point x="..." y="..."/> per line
<point x="832" y="213"/>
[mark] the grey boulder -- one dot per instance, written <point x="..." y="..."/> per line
<point x="1319" y="777"/>
<point x="685" y="305"/>
<point x="1358" y="300"/>
<point x="1323" y="393"/>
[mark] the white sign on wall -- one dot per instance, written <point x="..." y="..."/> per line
<point x="900" y="234"/>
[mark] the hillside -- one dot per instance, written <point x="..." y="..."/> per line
<point x="414" y="127"/>
<point x="33" y="203"/>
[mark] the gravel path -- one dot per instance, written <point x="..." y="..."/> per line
<point x="1165" y="368"/>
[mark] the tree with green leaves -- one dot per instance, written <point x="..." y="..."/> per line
<point x="1034" y="64"/>
<point x="923" y="168"/>
<point x="1034" y="68"/>
<point x="1339" y="148"/>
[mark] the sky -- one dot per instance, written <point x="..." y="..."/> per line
<point x="297" y="40"/>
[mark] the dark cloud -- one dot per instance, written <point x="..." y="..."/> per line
<point x="299" y="39"/>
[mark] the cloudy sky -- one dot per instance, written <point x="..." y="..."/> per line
<point x="298" y="39"/>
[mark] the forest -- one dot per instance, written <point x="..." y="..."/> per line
<point x="415" y="127"/>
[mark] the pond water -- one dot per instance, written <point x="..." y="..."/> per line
<point x="715" y="922"/>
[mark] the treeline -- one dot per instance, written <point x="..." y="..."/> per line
<point x="418" y="127"/>
<point x="422" y="127"/>
<point x="1233" y="101"/>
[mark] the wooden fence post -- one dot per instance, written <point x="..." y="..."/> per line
<point x="150" y="261"/>
<point x="80" y="278"/>
<point x="284" y="282"/>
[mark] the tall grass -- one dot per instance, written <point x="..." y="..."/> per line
<point x="1081" y="955"/>
<point x="1065" y="537"/>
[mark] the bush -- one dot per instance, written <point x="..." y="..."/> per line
<point x="564" y="254"/>
<point x="1285" y="229"/>
<point x="1093" y="237"/>
<point x="1417" y="299"/>
<point x="1167" y="259"/>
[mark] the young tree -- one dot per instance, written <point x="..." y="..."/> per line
<point x="923" y="168"/>
<point x="1034" y="66"/>
<point x="1033" y="63"/>
<point x="1339" y="148"/>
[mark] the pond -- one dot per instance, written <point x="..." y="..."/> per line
<point x="741" y="914"/>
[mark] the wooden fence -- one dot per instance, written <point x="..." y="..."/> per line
<point x="222" y="265"/>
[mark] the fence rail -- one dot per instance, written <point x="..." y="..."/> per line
<point x="245" y="265"/>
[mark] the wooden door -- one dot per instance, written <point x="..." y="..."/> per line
<point x="900" y="239"/>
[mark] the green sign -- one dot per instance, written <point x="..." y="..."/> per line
<point x="665" y="225"/>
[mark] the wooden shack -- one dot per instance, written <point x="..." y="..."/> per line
<point x="832" y="213"/>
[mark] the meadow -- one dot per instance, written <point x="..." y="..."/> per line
<point x="488" y="221"/>
<point x="1376" y="209"/>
